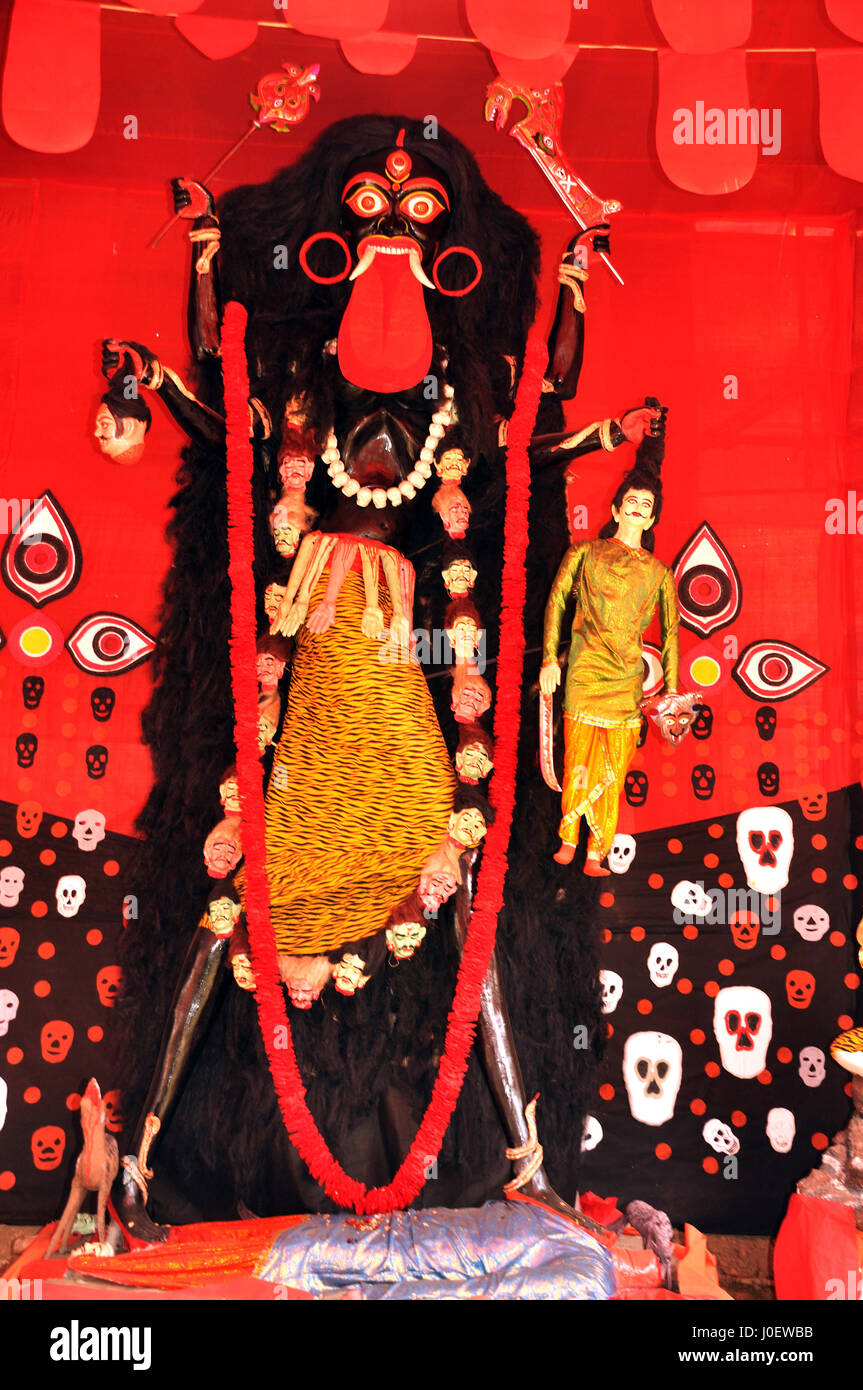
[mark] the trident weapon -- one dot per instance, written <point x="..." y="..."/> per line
<point x="280" y="101"/>
<point x="539" y="133"/>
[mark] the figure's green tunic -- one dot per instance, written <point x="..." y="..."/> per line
<point x="617" y="590"/>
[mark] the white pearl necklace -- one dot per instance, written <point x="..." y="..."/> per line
<point x="415" y="480"/>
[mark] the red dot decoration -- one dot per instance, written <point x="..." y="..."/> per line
<point x="59" y="829"/>
<point x="675" y="846"/>
<point x="7" y="1181"/>
<point x="778" y="952"/>
<point x="712" y="1069"/>
<point x="845" y="1021"/>
<point x="858" y="843"/>
<point x="5" y="847"/>
<point x="45" y="950"/>
<point x="606" y="1091"/>
<point x="711" y="989"/>
<point x="765" y="1077"/>
<point x="609" y="1030"/>
<point x="32" y="1095"/>
<point x="637" y="933"/>
<point x="42" y="989"/>
<point x="716" y="831"/>
<point x="684" y="986"/>
<point x="820" y="1141"/>
<point x="96" y="1034"/>
<point x="697" y="1036"/>
<point x="725" y="880"/>
<point x="656" y="880"/>
<point x="852" y="982"/>
<point x="819" y="875"/>
<point x="47" y="857"/>
<point x="38" y="908"/>
<point x="711" y="861"/>
<point x="605" y="936"/>
<point x="93" y="937"/>
<point x="73" y="1101"/>
<point x="819" y="841"/>
<point x="738" y="1119"/>
<point x="690" y="931"/>
<point x="698" y="1107"/>
<point x="784" y="1054"/>
<point x="644" y="1006"/>
<point x="837" y="938"/>
<point x="726" y="967"/>
<point x="14" y="1055"/>
<point x="663" y="1151"/>
<point x="710" y="1165"/>
<point x="605" y="899"/>
<point x="112" y="868"/>
<point x="849" y="881"/>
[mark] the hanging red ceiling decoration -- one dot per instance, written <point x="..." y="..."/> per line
<point x="538" y="72"/>
<point x="52" y="80"/>
<point x="840" y="109"/>
<point x="338" y="19"/>
<point x="382" y="55"/>
<point x="703" y="101"/>
<point x="847" y="15"/>
<point x="690" y="26"/>
<point x="505" y="27"/>
<point x="217" y="38"/>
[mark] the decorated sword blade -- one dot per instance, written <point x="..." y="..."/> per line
<point x="539" y="133"/>
<point x="546" y="742"/>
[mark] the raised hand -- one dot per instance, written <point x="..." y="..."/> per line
<point x="133" y="359"/>
<point x="191" y="199"/>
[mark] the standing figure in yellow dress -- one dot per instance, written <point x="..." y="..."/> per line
<point x="617" y="584"/>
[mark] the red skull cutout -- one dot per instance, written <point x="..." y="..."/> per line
<point x="28" y="818"/>
<point x="113" y="1112"/>
<point x="800" y="987"/>
<point x="10" y="940"/>
<point x="48" y="1144"/>
<point x="745" y="928"/>
<point x="56" y="1038"/>
<point x="813" y="801"/>
<point x="108" y="982"/>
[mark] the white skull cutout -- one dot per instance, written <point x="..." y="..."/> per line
<point x="3" y="1093"/>
<point x="662" y="963"/>
<point x="88" y="830"/>
<point x="720" y="1137"/>
<point x="743" y="1025"/>
<point x="780" y="1129"/>
<point x="70" y="893"/>
<point x="812" y="1069"/>
<point x="652" y="1071"/>
<point x="765" y="843"/>
<point x="591" y="1133"/>
<point x="612" y="990"/>
<point x="8" y="1010"/>
<point x="811" y="922"/>
<point x="11" y="885"/>
<point x="622" y="854"/>
<point x="690" y="899"/>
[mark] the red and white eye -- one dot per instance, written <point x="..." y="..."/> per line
<point x="654" y="676"/>
<point x="421" y="207"/>
<point x="42" y="557"/>
<point x="367" y="201"/>
<point x="770" y="670"/>
<point x="105" y="643"/>
<point x="708" y="585"/>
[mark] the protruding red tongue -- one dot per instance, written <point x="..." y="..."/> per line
<point x="385" y="341"/>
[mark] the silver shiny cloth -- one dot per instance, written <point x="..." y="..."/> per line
<point x="504" y="1250"/>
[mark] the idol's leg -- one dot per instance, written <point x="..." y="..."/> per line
<point x="500" y="1060"/>
<point x="575" y="738"/>
<point x="190" y="1012"/>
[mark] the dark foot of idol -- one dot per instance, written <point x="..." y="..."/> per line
<point x="540" y="1190"/>
<point x="129" y="1209"/>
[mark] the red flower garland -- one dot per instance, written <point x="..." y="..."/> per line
<point x="461" y="1026"/>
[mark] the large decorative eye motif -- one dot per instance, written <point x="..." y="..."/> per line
<point x="367" y="201"/>
<point x="708" y="585"/>
<point x="654" y="677"/>
<point x="421" y="206"/>
<point x="42" y="557"/>
<point x="770" y="670"/>
<point x="105" y="642"/>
